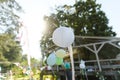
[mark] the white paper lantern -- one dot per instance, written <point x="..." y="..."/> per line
<point x="63" y="36"/>
<point x="51" y="60"/>
<point x="49" y="68"/>
<point x="82" y="64"/>
<point x="60" y="53"/>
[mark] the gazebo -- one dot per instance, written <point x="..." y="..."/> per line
<point x="107" y="67"/>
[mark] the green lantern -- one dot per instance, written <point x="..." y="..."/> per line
<point x="59" y="61"/>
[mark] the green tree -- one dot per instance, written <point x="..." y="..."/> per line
<point x="9" y="22"/>
<point x="85" y="17"/>
<point x="10" y="50"/>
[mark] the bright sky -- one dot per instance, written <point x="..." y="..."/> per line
<point x="35" y="9"/>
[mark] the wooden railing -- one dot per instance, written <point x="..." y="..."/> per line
<point x="109" y="67"/>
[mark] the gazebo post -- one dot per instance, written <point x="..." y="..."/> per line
<point x="96" y="54"/>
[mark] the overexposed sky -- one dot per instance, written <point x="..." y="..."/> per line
<point x="36" y="9"/>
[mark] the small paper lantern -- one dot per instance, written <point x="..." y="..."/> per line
<point x="63" y="36"/>
<point x="49" y="68"/>
<point x="51" y="60"/>
<point x="59" y="61"/>
<point x="82" y="64"/>
<point x="60" y="53"/>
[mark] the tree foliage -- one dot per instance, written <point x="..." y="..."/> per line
<point x="87" y="19"/>
<point x="10" y="50"/>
